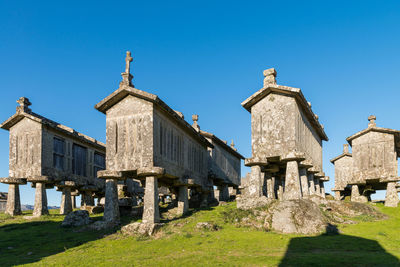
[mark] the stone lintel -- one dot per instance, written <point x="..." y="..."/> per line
<point x="75" y="193"/>
<point x="108" y="174"/>
<point x="306" y="164"/>
<point x="255" y="161"/>
<point x="314" y="170"/>
<point x="12" y="180"/>
<point x="41" y="179"/>
<point x="192" y="183"/>
<point x="151" y="171"/>
<point x="319" y="175"/>
<point x="293" y="156"/>
<point x="66" y="184"/>
<point x="324" y="179"/>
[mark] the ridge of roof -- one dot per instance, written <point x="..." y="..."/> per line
<point x="341" y="156"/>
<point x="292" y="91"/>
<point x="222" y="143"/>
<point x="125" y="90"/>
<point x="372" y="128"/>
<point x="19" y="115"/>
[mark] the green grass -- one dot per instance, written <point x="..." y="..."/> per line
<point x="179" y="243"/>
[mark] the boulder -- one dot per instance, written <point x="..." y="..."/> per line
<point x="246" y="203"/>
<point x="296" y="216"/>
<point x="76" y="218"/>
<point x="138" y="228"/>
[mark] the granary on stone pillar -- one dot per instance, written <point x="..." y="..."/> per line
<point x="286" y="139"/>
<point x="149" y="141"/>
<point x="224" y="163"/>
<point x="375" y="151"/>
<point x="343" y="173"/>
<point x="47" y="153"/>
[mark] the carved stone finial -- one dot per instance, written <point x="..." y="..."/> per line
<point x="195" y="118"/>
<point x="127" y="76"/>
<point x="270" y="75"/>
<point x="232" y="144"/>
<point x="345" y="148"/>
<point x="371" y="120"/>
<point x="24" y="104"/>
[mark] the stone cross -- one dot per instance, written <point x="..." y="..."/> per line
<point x="128" y="61"/>
<point x="126" y="76"/>
<point x="371" y="120"/>
<point x="195" y="118"/>
<point x="232" y="144"/>
<point x="270" y="75"/>
<point x="24" y="104"/>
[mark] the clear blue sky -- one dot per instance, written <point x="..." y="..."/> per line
<point x="202" y="57"/>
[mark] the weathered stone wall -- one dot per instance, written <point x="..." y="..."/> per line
<point x="374" y="157"/>
<point x="223" y="164"/>
<point x="177" y="151"/>
<point x="25" y="149"/>
<point x="273" y="126"/>
<point x="307" y="140"/>
<point x="343" y="172"/>
<point x="129" y="134"/>
<point x="48" y="169"/>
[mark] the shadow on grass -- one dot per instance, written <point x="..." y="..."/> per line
<point x="334" y="249"/>
<point x="30" y="241"/>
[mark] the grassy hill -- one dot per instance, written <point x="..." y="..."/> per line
<point x="43" y="242"/>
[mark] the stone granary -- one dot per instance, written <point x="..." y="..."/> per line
<point x="374" y="164"/>
<point x="3" y="201"/>
<point x="343" y="173"/>
<point x="223" y="164"/>
<point x="49" y="154"/>
<point x="149" y="141"/>
<point x="286" y="139"/>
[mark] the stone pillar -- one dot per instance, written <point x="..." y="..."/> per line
<point x="40" y="207"/>
<point x="317" y="187"/>
<point x="256" y="182"/>
<point x="111" y="209"/>
<point x="322" y="187"/>
<point x="292" y="181"/>
<point x="304" y="182"/>
<point x="271" y="187"/>
<point x="183" y="200"/>
<point x="392" y="197"/>
<point x="13" y="200"/>
<point x="66" y="203"/>
<point x="151" y="212"/>
<point x="338" y="195"/>
<point x="73" y="202"/>
<point x="223" y="192"/>
<point x="87" y="198"/>
<point x="311" y="184"/>
<point x="355" y="193"/>
<point x="204" y="199"/>
<point x="280" y="190"/>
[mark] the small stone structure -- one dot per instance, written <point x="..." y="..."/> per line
<point x="150" y="142"/>
<point x="343" y="173"/>
<point x="373" y="166"/>
<point x="223" y="164"/>
<point x="286" y="139"/>
<point x="3" y="201"/>
<point x="47" y="154"/>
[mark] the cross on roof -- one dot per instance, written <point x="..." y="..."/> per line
<point x="128" y="61"/>
<point x="371" y="120"/>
